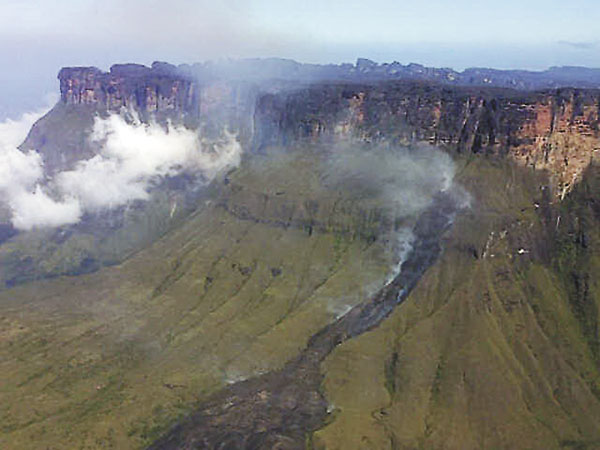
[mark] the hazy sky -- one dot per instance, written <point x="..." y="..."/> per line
<point x="37" y="37"/>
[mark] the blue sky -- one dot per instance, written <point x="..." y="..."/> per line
<point x="37" y="37"/>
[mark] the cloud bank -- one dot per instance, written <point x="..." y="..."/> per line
<point x="19" y="172"/>
<point x="133" y="158"/>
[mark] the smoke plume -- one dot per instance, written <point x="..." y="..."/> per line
<point x="402" y="182"/>
<point x="404" y="179"/>
<point x="133" y="158"/>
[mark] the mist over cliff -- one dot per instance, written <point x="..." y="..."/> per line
<point x="132" y="157"/>
<point x="179" y="117"/>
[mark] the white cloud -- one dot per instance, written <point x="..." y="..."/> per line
<point x="133" y="157"/>
<point x="37" y="209"/>
<point x="19" y="170"/>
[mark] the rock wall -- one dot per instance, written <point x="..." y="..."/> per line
<point x="160" y="93"/>
<point x="557" y="130"/>
<point x="554" y="130"/>
<point x="160" y="88"/>
<point x="364" y="70"/>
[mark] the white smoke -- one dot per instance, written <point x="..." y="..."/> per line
<point x="404" y="182"/>
<point x="133" y="157"/>
<point x="406" y="179"/>
<point x="403" y="243"/>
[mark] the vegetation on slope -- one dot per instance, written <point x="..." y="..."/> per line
<point x="109" y="359"/>
<point x="497" y="345"/>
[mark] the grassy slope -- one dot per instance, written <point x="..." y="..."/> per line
<point x="488" y="351"/>
<point x="62" y="138"/>
<point x="46" y="253"/>
<point x="107" y="360"/>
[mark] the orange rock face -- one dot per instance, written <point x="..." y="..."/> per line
<point x="560" y="139"/>
<point x="555" y="131"/>
<point x="130" y="86"/>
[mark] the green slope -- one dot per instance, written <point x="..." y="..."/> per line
<point x="497" y="347"/>
<point x="109" y="359"/>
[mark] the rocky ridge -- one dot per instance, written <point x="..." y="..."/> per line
<point x="164" y="86"/>
<point x="128" y="85"/>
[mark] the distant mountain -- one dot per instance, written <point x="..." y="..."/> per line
<point x="367" y="70"/>
<point x="256" y="70"/>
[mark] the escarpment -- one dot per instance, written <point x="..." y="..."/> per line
<point x="160" y="88"/>
<point x="557" y="131"/>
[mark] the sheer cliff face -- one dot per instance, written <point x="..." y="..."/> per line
<point x="144" y="89"/>
<point x="554" y="130"/>
<point x="161" y="90"/>
<point x="160" y="93"/>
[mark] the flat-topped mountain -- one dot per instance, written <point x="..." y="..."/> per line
<point x="274" y="101"/>
<point x="402" y="257"/>
<point x="90" y="85"/>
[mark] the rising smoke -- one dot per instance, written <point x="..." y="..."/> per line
<point x="405" y="179"/>
<point x="403" y="182"/>
<point x="134" y="156"/>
